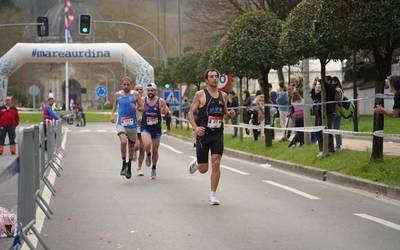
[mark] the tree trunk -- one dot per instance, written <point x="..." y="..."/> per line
<point x="241" y="110"/>
<point x="383" y="69"/>
<point x="325" y="149"/>
<point x="281" y="77"/>
<point x="306" y="99"/>
<point x="267" y="117"/>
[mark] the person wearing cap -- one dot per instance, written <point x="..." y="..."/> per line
<point x="127" y="101"/>
<point x="139" y="143"/>
<point x="154" y="106"/>
<point x="211" y="106"/>
<point x="9" y="120"/>
<point x="48" y="112"/>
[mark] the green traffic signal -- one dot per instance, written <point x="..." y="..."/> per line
<point x="84" y="24"/>
<point x="167" y="85"/>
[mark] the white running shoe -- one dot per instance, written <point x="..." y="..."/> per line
<point x="212" y="200"/>
<point x="193" y="166"/>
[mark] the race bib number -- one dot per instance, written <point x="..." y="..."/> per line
<point x="214" y="122"/>
<point x="127" y="121"/>
<point x="151" y="120"/>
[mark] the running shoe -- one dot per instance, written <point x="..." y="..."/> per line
<point x="148" y="160"/>
<point x="212" y="200"/>
<point x="140" y="172"/>
<point x="153" y="174"/>
<point x="128" y="171"/>
<point x="193" y="166"/>
<point x="123" y="169"/>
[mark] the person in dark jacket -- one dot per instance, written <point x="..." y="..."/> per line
<point x="330" y="90"/>
<point x="394" y="84"/>
<point x="9" y="120"/>
<point x="234" y="104"/>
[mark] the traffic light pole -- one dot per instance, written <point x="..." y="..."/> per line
<point x="164" y="54"/>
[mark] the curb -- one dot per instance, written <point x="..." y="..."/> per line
<point x="392" y="192"/>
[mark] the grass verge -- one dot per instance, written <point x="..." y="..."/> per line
<point x="349" y="162"/>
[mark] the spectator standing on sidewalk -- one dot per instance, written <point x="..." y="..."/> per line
<point x="246" y="110"/>
<point x="9" y="120"/>
<point x="336" y="116"/>
<point x="316" y="97"/>
<point x="282" y="100"/>
<point x="394" y="84"/>
<point x="234" y="104"/>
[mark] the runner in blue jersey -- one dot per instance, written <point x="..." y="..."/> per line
<point x="154" y="106"/>
<point x="127" y="101"/>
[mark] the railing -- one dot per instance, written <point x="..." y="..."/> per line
<point x="39" y="151"/>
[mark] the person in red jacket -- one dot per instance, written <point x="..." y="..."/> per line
<point x="9" y="120"/>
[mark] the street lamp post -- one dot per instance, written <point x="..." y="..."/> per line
<point x="163" y="53"/>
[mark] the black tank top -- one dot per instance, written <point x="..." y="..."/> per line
<point x="211" y="114"/>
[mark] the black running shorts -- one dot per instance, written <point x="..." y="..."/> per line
<point x="214" y="142"/>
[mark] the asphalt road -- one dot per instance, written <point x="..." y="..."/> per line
<point x="261" y="208"/>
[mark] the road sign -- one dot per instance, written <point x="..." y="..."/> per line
<point x="33" y="90"/>
<point x="172" y="97"/>
<point x="101" y="91"/>
<point x="224" y="82"/>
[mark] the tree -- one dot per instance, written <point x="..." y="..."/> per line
<point x="253" y="48"/>
<point x="314" y="29"/>
<point x="186" y="66"/>
<point x="164" y="73"/>
<point x="375" y="25"/>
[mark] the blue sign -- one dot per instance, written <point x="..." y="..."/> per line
<point x="101" y="91"/>
<point x="172" y="97"/>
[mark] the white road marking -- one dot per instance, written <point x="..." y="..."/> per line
<point x="46" y="194"/>
<point x="102" y="131"/>
<point x="234" y="170"/>
<point x="293" y="190"/>
<point x="226" y="167"/>
<point x="380" y="221"/>
<point x="84" y="131"/>
<point x="266" y="165"/>
<point x="171" y="148"/>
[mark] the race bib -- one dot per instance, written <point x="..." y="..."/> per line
<point x="151" y="120"/>
<point x="214" y="122"/>
<point x="127" y="121"/>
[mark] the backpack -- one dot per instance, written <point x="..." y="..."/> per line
<point x="346" y="109"/>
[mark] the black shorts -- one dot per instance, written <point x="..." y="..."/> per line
<point x="214" y="142"/>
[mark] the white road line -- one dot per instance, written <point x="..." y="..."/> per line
<point x="234" y="170"/>
<point x="293" y="190"/>
<point x="84" y="131"/>
<point x="46" y="194"/>
<point x="171" y="148"/>
<point x="101" y="130"/>
<point x="380" y="221"/>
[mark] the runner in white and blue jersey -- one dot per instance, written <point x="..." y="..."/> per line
<point x="128" y="102"/>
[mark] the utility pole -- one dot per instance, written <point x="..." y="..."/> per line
<point x="179" y="29"/>
<point x="355" y="94"/>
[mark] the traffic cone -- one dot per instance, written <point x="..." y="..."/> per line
<point x="1" y="150"/>
<point x="13" y="149"/>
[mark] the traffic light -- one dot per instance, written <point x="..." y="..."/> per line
<point x="167" y="85"/>
<point x="43" y="27"/>
<point x="84" y="24"/>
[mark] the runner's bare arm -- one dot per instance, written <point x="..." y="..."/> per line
<point x="139" y="102"/>
<point x="163" y="107"/>
<point x="114" y="107"/>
